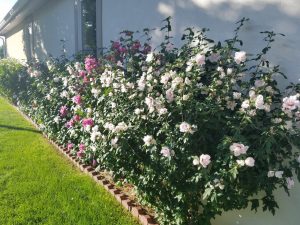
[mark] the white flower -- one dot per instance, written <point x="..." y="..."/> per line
<point x="278" y="174"/>
<point x="231" y="105"/>
<point x="271" y="173"/>
<point x="298" y="159"/>
<point x="249" y="162"/>
<point x="245" y="104"/>
<point x="141" y="83"/>
<point x="109" y="126"/>
<point x="187" y="81"/>
<point x="290" y="103"/>
<point x="185" y="97"/>
<point x="238" y="149"/>
<point x="277" y="120"/>
<point x="165" y="78"/>
<point x="167" y="152"/>
<point x="240" y="162"/>
<point x="259" y="102"/>
<point x="138" y="111"/>
<point x="113" y="105"/>
<point x="56" y="79"/>
<point x="64" y="94"/>
<point x="267" y="108"/>
<point x="48" y="97"/>
<point x="203" y="160"/>
<point x="95" y="135"/>
<point x="196" y="161"/>
<point x="169" y="95"/>
<point x="252" y="94"/>
<point x="290" y="182"/>
<point x="240" y="57"/>
<point x="114" y="142"/>
<point x="70" y="70"/>
<point x="186" y="128"/>
<point x="77" y="66"/>
<point x="259" y="83"/>
<point x="150" y="103"/>
<point x="120" y="127"/>
<point x="162" y="111"/>
<point x="150" y="57"/>
<point x="229" y="71"/>
<point x="95" y="92"/>
<point x="149" y="140"/>
<point x="237" y="95"/>
<point x="56" y="119"/>
<point x="177" y="81"/>
<point x="200" y="59"/>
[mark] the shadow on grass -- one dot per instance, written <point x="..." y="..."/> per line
<point x="19" y="128"/>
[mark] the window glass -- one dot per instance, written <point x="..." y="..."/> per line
<point x="89" y="35"/>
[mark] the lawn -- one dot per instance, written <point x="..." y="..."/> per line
<point x="39" y="186"/>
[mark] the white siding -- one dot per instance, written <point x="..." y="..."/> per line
<point x="220" y="15"/>
<point x="52" y="23"/>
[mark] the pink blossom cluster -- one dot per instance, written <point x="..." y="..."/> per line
<point x="90" y="64"/>
<point x="63" y="111"/>
<point x="87" y="122"/>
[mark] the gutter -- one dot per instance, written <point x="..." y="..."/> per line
<point x="11" y="15"/>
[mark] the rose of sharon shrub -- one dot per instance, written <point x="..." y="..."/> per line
<point x="189" y="127"/>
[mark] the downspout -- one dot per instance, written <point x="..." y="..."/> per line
<point x="4" y="46"/>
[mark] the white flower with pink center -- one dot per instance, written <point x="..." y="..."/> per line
<point x="240" y="57"/>
<point x="167" y="152"/>
<point x="149" y="140"/>
<point x="238" y="149"/>
<point x="203" y="160"/>
<point x="186" y="128"/>
<point x="200" y="59"/>
<point x="249" y="162"/>
<point x="290" y="103"/>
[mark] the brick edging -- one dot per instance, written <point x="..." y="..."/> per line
<point x="133" y="207"/>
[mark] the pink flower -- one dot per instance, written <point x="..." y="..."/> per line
<point x="80" y="154"/>
<point x="77" y="99"/>
<point x="76" y="118"/>
<point x="70" y="146"/>
<point x="87" y="122"/>
<point x="70" y="123"/>
<point x="249" y="162"/>
<point x="82" y="73"/>
<point x="116" y="45"/>
<point x="238" y="149"/>
<point x="90" y="64"/>
<point x="63" y="111"/>
<point x="81" y="147"/>
<point x="200" y="59"/>
<point x="240" y="57"/>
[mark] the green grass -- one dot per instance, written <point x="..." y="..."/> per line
<point x="40" y="186"/>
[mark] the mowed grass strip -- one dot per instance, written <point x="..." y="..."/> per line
<point x="40" y="186"/>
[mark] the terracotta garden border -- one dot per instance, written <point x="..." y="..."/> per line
<point x="132" y="206"/>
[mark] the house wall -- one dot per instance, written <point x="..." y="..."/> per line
<point x="54" y="24"/>
<point x="16" y="46"/>
<point x="220" y="16"/>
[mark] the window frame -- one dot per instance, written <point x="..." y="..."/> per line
<point x="79" y="30"/>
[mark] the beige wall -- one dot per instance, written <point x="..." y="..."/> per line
<point x="16" y="46"/>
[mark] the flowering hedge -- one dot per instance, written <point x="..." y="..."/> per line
<point x="198" y="130"/>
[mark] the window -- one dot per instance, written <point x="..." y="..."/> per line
<point x="89" y="38"/>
